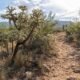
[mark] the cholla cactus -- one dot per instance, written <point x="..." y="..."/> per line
<point x="27" y="25"/>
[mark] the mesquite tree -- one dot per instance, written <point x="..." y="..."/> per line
<point x="27" y="25"/>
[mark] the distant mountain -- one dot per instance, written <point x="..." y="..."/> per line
<point x="4" y="25"/>
<point x="61" y="23"/>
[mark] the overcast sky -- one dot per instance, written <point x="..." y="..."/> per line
<point x="64" y="9"/>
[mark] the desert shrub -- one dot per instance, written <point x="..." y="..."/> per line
<point x="73" y="32"/>
<point x="33" y="51"/>
<point x="34" y="55"/>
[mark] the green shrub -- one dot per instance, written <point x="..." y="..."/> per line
<point x="73" y="32"/>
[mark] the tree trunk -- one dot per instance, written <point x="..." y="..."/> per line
<point x="14" y="54"/>
<point x="12" y="46"/>
<point x="1" y="48"/>
<point x="21" y="43"/>
<point x="7" y="48"/>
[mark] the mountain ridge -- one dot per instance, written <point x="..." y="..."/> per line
<point x="59" y="24"/>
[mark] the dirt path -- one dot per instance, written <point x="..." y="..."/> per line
<point x="61" y="68"/>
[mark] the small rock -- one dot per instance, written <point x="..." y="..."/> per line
<point x="71" y="78"/>
<point x="22" y="70"/>
<point x="29" y="75"/>
<point x="76" y="69"/>
<point x="46" y="68"/>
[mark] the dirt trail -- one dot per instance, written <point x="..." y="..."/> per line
<point x="61" y="68"/>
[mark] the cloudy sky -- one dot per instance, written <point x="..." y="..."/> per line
<point x="63" y="9"/>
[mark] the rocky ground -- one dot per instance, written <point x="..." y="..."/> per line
<point x="64" y="66"/>
<point x="67" y="64"/>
